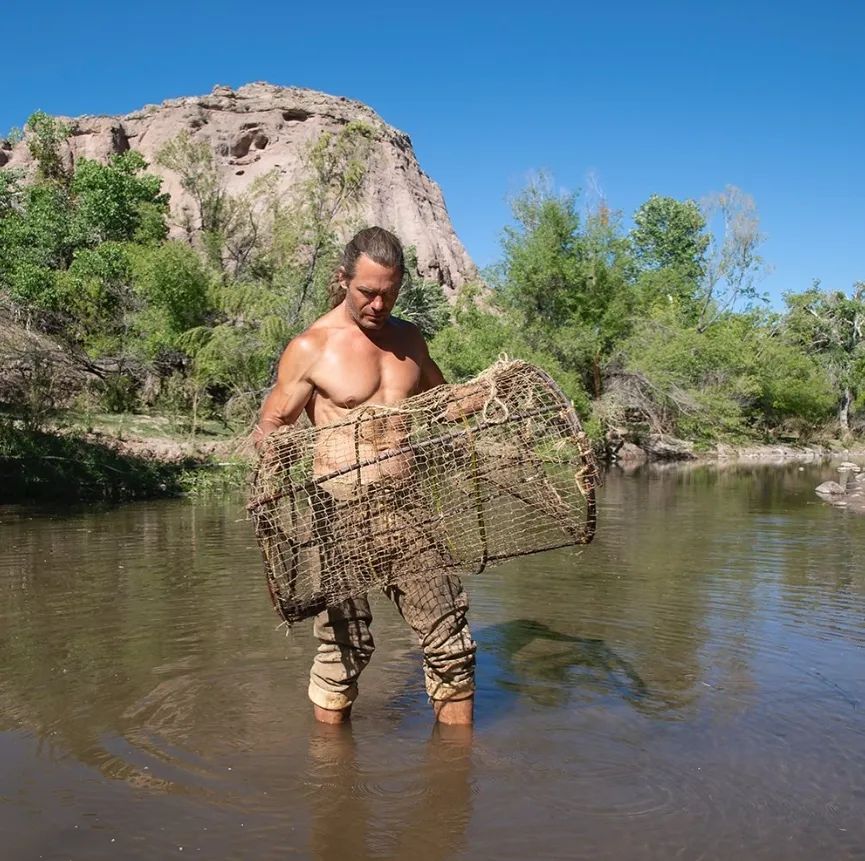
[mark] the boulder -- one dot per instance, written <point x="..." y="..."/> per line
<point x="848" y="466"/>
<point x="664" y="447"/>
<point x="830" y="488"/>
<point x="630" y="453"/>
<point x="261" y="129"/>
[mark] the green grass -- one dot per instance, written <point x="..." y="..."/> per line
<point x="210" y="478"/>
<point x="122" y="425"/>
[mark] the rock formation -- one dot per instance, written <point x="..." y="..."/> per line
<point x="260" y="128"/>
<point x="850" y="493"/>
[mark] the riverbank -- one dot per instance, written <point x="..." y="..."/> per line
<point x="843" y="486"/>
<point x="116" y="458"/>
<point x="661" y="449"/>
<point x="97" y="465"/>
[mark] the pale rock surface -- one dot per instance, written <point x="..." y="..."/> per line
<point x="850" y="496"/>
<point x="628" y="452"/>
<point x="830" y="488"/>
<point x="664" y="447"/>
<point x="262" y="127"/>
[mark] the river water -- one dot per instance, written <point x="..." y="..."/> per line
<point x="691" y="686"/>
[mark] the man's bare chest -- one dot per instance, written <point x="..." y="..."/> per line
<point x="357" y="375"/>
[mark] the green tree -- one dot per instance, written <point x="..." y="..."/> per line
<point x="670" y="234"/>
<point x="421" y="302"/>
<point x="11" y="192"/>
<point x="670" y="244"/>
<point x="567" y="286"/>
<point x="118" y="202"/>
<point x="96" y="298"/>
<point x="35" y="245"/>
<point x="48" y="225"/>
<point x="831" y="325"/>
<point x="736" y="380"/>
<point x="479" y="336"/>
<point x="173" y="288"/>
<point x="45" y="138"/>
<point x="474" y="340"/>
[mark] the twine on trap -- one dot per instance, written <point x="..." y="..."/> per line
<point x="450" y="481"/>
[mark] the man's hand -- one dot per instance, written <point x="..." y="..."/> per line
<point x="277" y="453"/>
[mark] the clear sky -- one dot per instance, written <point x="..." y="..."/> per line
<point x="677" y="98"/>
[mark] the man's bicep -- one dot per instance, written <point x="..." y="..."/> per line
<point x="291" y="391"/>
<point x="286" y="400"/>
<point x="431" y="374"/>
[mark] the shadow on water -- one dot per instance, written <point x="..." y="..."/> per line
<point x="551" y="668"/>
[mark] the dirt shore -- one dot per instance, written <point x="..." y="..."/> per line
<point x="782" y="453"/>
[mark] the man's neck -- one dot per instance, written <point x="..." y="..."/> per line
<point x="374" y="335"/>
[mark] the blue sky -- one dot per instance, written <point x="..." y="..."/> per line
<point x="677" y="98"/>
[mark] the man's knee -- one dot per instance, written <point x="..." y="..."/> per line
<point x="346" y="626"/>
<point x="449" y="653"/>
<point x="345" y="648"/>
<point x="449" y="640"/>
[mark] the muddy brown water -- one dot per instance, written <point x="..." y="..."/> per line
<point x="692" y="686"/>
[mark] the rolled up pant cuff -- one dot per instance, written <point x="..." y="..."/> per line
<point x="332" y="700"/>
<point x="446" y="693"/>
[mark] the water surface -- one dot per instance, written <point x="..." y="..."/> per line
<point x="690" y="686"/>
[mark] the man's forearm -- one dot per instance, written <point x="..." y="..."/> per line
<point x="468" y="399"/>
<point x="266" y="425"/>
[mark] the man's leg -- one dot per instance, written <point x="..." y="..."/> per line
<point x="345" y="648"/>
<point x="455" y="712"/>
<point x="436" y="609"/>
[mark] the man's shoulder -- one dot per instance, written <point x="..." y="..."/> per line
<point x="315" y="338"/>
<point x="406" y="329"/>
<point x="304" y="350"/>
<point x="307" y="343"/>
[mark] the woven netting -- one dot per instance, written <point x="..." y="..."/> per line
<point x="450" y="481"/>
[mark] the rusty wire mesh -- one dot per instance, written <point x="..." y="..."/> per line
<point x="450" y="481"/>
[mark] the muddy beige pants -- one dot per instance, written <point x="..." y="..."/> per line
<point x="435" y="608"/>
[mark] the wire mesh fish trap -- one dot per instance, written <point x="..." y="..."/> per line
<point x="450" y="481"/>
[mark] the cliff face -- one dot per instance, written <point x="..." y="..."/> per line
<point x="261" y="128"/>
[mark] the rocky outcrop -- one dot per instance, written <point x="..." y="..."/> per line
<point x="664" y="447"/>
<point x="628" y="452"/>
<point x="849" y="493"/>
<point x="261" y="128"/>
<point x="829" y="488"/>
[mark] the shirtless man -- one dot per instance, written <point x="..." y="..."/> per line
<point x="358" y="354"/>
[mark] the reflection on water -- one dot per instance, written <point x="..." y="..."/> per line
<point x="692" y="685"/>
<point x="421" y="808"/>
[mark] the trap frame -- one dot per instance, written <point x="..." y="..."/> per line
<point x="450" y="481"/>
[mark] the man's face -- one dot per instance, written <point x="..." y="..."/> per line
<point x="371" y="294"/>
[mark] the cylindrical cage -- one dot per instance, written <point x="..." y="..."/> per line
<point x="450" y="481"/>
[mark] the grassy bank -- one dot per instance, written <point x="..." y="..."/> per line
<point x="70" y="465"/>
<point x="43" y="465"/>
